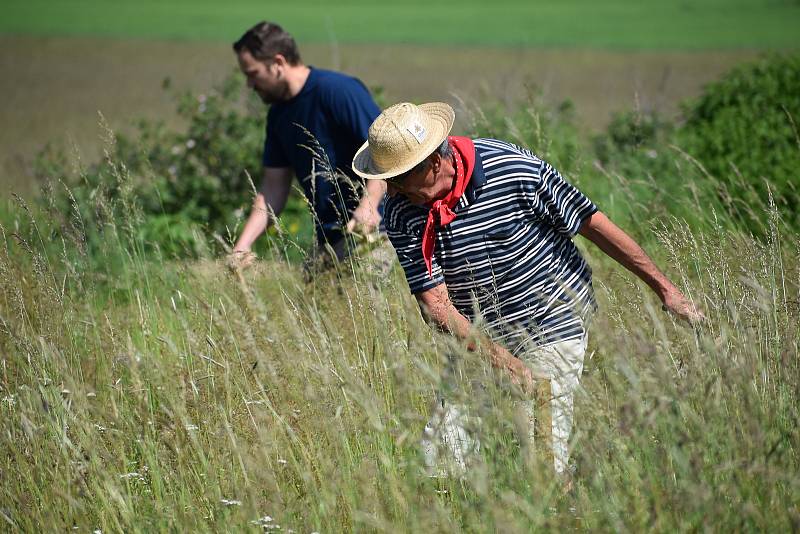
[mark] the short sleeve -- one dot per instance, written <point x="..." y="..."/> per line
<point x="405" y="234"/>
<point x="274" y="155"/>
<point x="557" y="202"/>
<point x="352" y="108"/>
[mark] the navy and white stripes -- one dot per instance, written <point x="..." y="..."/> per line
<point x="508" y="257"/>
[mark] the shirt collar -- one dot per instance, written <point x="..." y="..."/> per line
<point x="476" y="183"/>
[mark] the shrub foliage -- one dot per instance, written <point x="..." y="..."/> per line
<point x="738" y="144"/>
<point x="188" y="185"/>
<point x="744" y="129"/>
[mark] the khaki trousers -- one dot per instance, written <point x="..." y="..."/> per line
<point x="448" y="446"/>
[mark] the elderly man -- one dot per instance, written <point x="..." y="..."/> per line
<point x="317" y="120"/>
<point x="483" y="229"/>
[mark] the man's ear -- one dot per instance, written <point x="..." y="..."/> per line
<point x="279" y="63"/>
<point x="280" y="60"/>
<point x="436" y="162"/>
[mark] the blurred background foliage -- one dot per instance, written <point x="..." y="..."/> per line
<point x="736" y="150"/>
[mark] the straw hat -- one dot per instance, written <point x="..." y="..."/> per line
<point x="401" y="137"/>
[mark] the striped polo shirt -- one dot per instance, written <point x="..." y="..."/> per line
<point x="508" y="258"/>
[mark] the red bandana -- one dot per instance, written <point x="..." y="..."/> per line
<point x="441" y="212"/>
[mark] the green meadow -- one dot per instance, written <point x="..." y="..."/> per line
<point x="145" y="388"/>
<point x="144" y="393"/>
<point x="619" y="24"/>
<point x="68" y="60"/>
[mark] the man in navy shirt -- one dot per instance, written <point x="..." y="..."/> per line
<point x="483" y="230"/>
<point x="316" y="121"/>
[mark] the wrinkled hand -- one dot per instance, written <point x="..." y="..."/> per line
<point x="521" y="375"/>
<point x="239" y="260"/>
<point x="683" y="308"/>
<point x="365" y="219"/>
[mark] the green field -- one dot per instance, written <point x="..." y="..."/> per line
<point x="145" y="388"/>
<point x="139" y="394"/>
<point x="619" y="24"/>
<point x="60" y="84"/>
<point x="73" y="59"/>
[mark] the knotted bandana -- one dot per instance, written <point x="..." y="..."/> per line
<point x="441" y="211"/>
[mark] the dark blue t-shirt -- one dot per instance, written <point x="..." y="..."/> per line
<point x="333" y="112"/>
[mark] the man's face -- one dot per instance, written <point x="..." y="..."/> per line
<point x="266" y="78"/>
<point x="421" y="187"/>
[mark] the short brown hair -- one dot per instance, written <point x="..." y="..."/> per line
<point x="266" y="39"/>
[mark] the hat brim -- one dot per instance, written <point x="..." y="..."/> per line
<point x="441" y="118"/>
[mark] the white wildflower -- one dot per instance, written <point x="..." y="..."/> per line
<point x="190" y="144"/>
<point x="10" y="400"/>
<point x="175" y="150"/>
<point x="91" y="395"/>
<point x="282" y="461"/>
<point x="100" y="428"/>
<point x="266" y="523"/>
<point x="173" y="170"/>
<point x="190" y="428"/>
<point x="231" y="502"/>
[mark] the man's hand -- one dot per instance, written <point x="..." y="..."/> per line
<point x="268" y="203"/>
<point x="239" y="260"/>
<point x="683" y="308"/>
<point x="438" y="309"/>
<point x="365" y="219"/>
<point x="520" y="374"/>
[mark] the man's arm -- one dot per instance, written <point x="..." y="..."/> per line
<point x="366" y="217"/>
<point x="621" y="247"/>
<point x="439" y="310"/>
<point x="273" y="192"/>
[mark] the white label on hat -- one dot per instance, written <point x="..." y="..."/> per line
<point x="418" y="131"/>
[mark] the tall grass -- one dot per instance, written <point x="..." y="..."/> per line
<point x="142" y="394"/>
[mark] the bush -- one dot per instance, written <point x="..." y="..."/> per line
<point x="744" y="131"/>
<point x="632" y="133"/>
<point x="177" y="188"/>
<point x="737" y="145"/>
